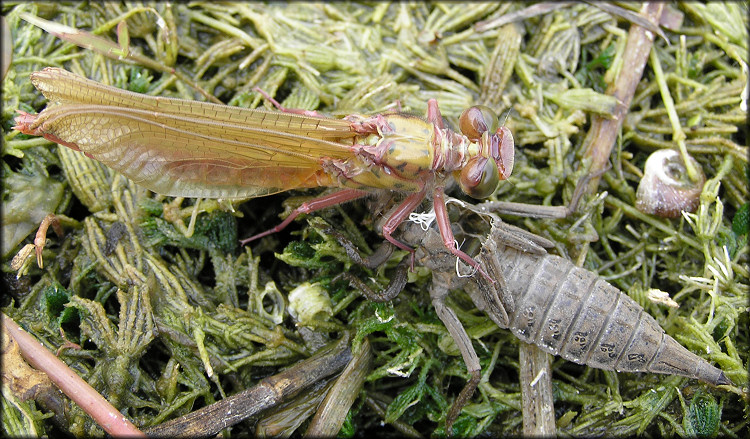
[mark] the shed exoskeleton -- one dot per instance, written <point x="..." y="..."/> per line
<point x="573" y="313"/>
<point x="543" y="300"/>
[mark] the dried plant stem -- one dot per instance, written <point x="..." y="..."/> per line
<point x="601" y="137"/>
<point x="332" y="412"/>
<point x="269" y="392"/>
<point x="536" y="392"/>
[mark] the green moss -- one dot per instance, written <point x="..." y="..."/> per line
<point x="222" y="322"/>
<point x="703" y="416"/>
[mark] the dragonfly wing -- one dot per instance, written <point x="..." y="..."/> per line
<point x="188" y="156"/>
<point x="60" y="86"/>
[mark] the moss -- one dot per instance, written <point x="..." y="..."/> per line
<point x="219" y="328"/>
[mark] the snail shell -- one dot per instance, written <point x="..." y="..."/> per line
<point x="665" y="189"/>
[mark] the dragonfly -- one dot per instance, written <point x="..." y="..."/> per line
<point x="186" y="148"/>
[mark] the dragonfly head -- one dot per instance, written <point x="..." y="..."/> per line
<point x="481" y="175"/>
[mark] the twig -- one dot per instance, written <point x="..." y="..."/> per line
<point x="210" y="420"/>
<point x="601" y="137"/>
<point x="536" y="392"/>
<point x="330" y="416"/>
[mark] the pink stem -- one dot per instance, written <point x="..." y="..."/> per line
<point x="106" y="415"/>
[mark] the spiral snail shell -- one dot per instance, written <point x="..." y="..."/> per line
<point x="665" y="189"/>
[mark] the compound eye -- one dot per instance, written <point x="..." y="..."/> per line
<point x="479" y="178"/>
<point x="476" y="120"/>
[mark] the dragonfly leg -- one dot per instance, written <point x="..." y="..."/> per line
<point x="398" y="216"/>
<point x="433" y="114"/>
<point x="444" y="225"/>
<point x="283" y="109"/>
<point x="394" y="287"/>
<point x="537" y="211"/>
<point x="333" y="199"/>
<point x="375" y="260"/>
<point x="438" y="292"/>
<point x="378" y="258"/>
